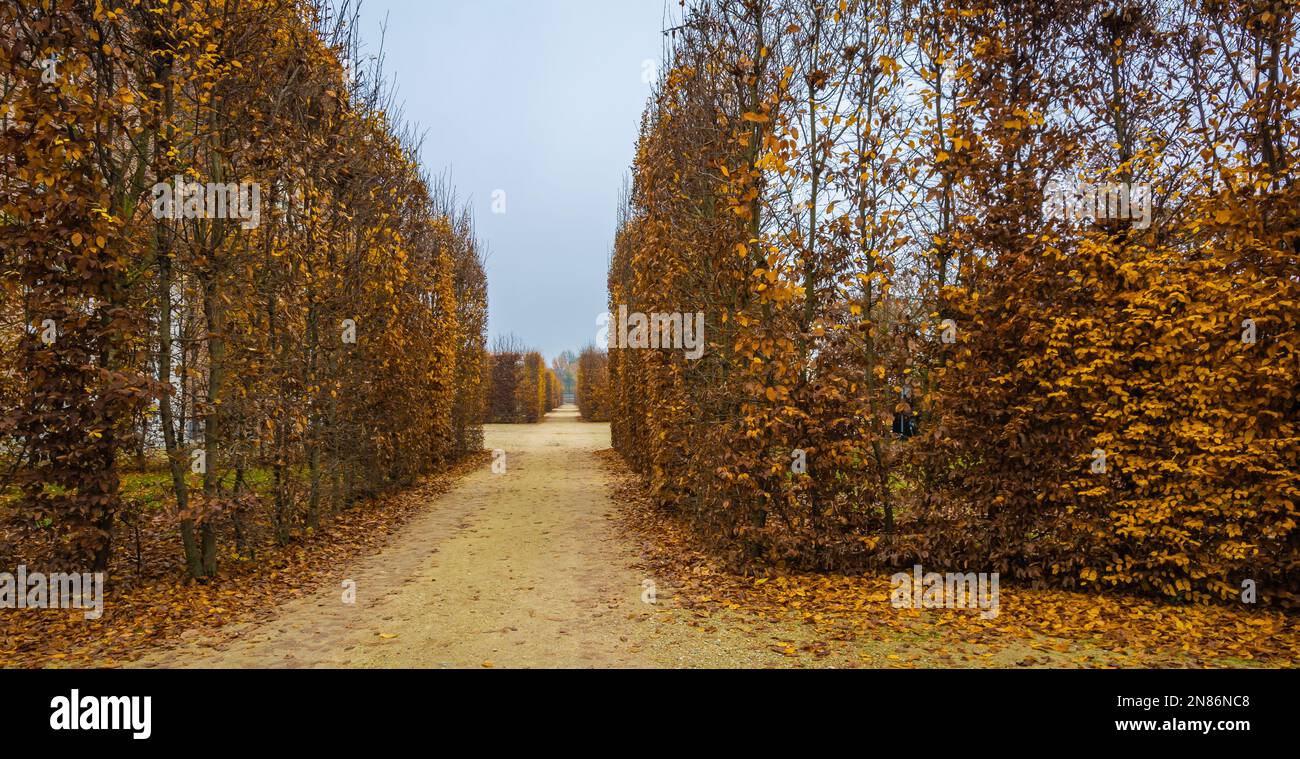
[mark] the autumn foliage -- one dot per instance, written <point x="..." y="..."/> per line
<point x="520" y="388"/>
<point x="592" y="386"/>
<point x="552" y="389"/>
<point x="327" y="342"/>
<point x="911" y="357"/>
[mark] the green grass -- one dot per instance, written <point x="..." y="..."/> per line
<point x="152" y="487"/>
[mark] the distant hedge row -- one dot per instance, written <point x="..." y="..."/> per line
<point x="592" y="393"/>
<point x="520" y="388"/>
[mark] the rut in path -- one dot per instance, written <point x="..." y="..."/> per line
<point x="519" y="569"/>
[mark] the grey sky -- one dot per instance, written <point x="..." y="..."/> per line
<point x="541" y="99"/>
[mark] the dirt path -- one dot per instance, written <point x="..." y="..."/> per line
<point x="519" y="569"/>
<point x="529" y="568"/>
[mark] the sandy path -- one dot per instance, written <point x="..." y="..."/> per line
<point x="518" y="569"/>
<point x="527" y="568"/>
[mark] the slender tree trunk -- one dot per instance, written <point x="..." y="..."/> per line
<point x="312" y="441"/>
<point x="280" y="510"/>
<point x="214" y="315"/>
<point x="163" y="254"/>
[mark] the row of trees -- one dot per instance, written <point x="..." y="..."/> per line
<point x="217" y="243"/>
<point x="565" y="367"/>
<point x="554" y="390"/>
<point x="592" y="386"/>
<point x="917" y="350"/>
<point x="518" y="386"/>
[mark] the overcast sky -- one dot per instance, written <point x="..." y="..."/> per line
<point x="542" y="100"/>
